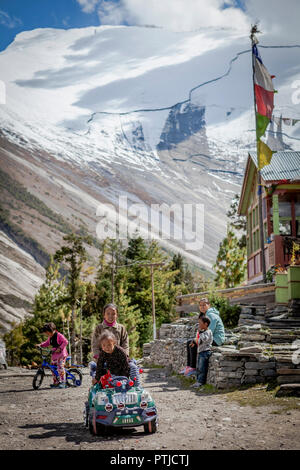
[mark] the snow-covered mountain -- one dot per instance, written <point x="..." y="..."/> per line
<point x="142" y="113"/>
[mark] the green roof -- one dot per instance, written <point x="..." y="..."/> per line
<point x="283" y="166"/>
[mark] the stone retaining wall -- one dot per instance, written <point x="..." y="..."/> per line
<point x="235" y="368"/>
<point x="280" y="316"/>
<point x="251" y="353"/>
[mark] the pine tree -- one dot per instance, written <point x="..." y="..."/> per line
<point x="47" y="307"/>
<point x="73" y="254"/>
<point x="231" y="261"/>
<point x="108" y="276"/>
<point x="14" y="340"/>
<point x="130" y="316"/>
<point x="230" y="264"/>
<point x="183" y="276"/>
<point x="178" y="264"/>
<point x="139" y="285"/>
<point x="238" y="222"/>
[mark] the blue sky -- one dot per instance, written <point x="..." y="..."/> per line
<point x="23" y="15"/>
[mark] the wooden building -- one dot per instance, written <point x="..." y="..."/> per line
<point x="281" y="211"/>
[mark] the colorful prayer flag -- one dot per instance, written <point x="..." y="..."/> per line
<point x="264" y="154"/>
<point x="261" y="125"/>
<point x="264" y="101"/>
<point x="263" y="86"/>
<point x="264" y="98"/>
<point x="286" y="121"/>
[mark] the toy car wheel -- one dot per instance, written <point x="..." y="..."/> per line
<point x="38" y="379"/>
<point x="150" y="427"/>
<point x="101" y="430"/>
<point x="75" y="380"/>
<point x="91" y="428"/>
<point x="97" y="430"/>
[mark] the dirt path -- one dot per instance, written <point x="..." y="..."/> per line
<point x="188" y="420"/>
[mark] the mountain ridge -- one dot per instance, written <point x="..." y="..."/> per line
<point x="98" y="115"/>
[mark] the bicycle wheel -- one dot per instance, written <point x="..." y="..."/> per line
<point x="38" y="379"/>
<point x="73" y="377"/>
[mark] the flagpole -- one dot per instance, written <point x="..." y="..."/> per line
<point x="260" y="206"/>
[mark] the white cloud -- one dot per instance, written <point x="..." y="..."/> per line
<point x="88" y="6"/>
<point x="186" y="15"/>
<point x="113" y="13"/>
<point x="176" y="15"/>
<point x="277" y="19"/>
<point x="8" y="21"/>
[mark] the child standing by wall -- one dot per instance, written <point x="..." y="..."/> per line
<point x="204" y="350"/>
<point x="59" y="352"/>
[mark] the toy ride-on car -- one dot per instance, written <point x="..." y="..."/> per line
<point x="117" y="403"/>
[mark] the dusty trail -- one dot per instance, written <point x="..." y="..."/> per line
<point x="52" y="419"/>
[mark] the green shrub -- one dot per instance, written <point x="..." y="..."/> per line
<point x="230" y="314"/>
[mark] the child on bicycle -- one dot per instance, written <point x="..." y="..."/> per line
<point x="59" y="352"/>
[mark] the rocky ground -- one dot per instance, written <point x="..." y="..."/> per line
<point x="52" y="419"/>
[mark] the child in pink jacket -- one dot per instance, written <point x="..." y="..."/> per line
<point x="59" y="354"/>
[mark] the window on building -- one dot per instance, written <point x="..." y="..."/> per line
<point x="285" y="227"/>
<point x="256" y="243"/>
<point x="253" y="237"/>
<point x="248" y="247"/>
<point x="285" y="216"/>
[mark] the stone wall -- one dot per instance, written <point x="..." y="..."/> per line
<point x="251" y="353"/>
<point x="236" y="368"/>
<point x="279" y="316"/>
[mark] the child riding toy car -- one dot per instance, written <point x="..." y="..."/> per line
<point x="116" y="402"/>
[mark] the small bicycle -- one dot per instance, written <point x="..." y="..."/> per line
<point x="73" y="375"/>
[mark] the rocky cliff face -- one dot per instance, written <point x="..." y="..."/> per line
<point x="183" y="121"/>
<point x="20" y="277"/>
